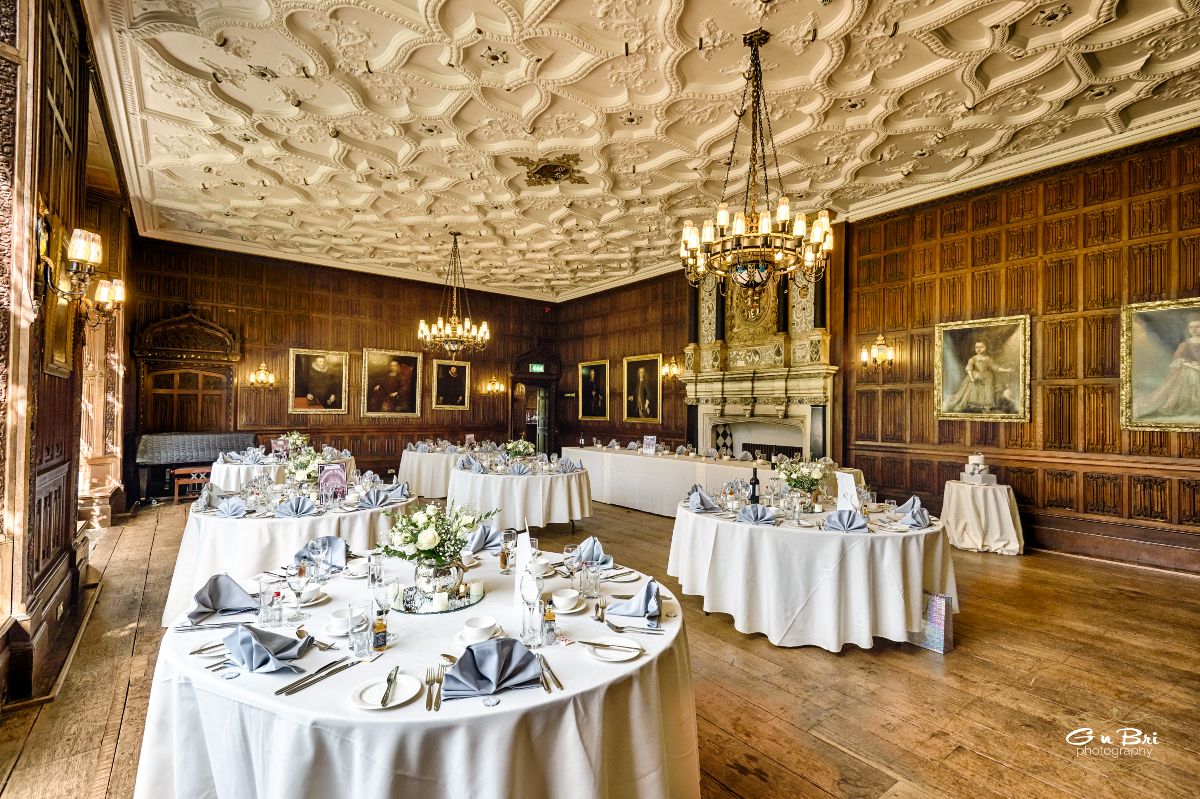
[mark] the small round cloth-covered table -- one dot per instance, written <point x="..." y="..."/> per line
<point x="617" y="730"/>
<point x="804" y="586"/>
<point x="982" y="518"/>
<point x="533" y="499"/>
<point x="244" y="548"/>
<point x="428" y="473"/>
<point x="233" y="477"/>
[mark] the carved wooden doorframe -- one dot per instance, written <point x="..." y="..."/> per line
<point x="187" y="343"/>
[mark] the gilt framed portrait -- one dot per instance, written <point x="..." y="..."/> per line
<point x="593" y="391"/>
<point x="643" y="388"/>
<point x="981" y="370"/>
<point x="391" y="383"/>
<point x="317" y="381"/>
<point x="1160" y="366"/>
<point x="451" y="385"/>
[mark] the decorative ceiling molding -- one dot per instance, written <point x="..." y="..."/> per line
<point x="568" y="139"/>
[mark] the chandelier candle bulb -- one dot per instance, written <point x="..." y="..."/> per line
<point x="739" y="224"/>
<point x="764" y="222"/>
<point x="783" y="211"/>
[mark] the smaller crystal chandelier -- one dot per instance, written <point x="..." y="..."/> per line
<point x="758" y="244"/>
<point x="453" y="335"/>
<point x="262" y="377"/>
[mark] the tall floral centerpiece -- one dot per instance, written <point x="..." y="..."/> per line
<point x="296" y="440"/>
<point x="805" y="477"/>
<point x="302" y="464"/>
<point x="519" y="448"/>
<point x="433" y="538"/>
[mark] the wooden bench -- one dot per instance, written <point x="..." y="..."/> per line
<point x="189" y="476"/>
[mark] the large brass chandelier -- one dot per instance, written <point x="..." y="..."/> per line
<point x="452" y="335"/>
<point x="759" y="243"/>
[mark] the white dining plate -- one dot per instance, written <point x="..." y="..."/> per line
<point x="458" y="637"/>
<point x="317" y="600"/>
<point x="614" y="655"/>
<point x="628" y="578"/>
<point x="351" y="575"/>
<point x="367" y="694"/>
<point x="580" y="606"/>
<point x="337" y="630"/>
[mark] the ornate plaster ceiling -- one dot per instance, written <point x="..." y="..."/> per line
<point x="568" y="139"/>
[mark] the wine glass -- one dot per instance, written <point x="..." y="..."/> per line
<point x="569" y="563"/>
<point x="298" y="576"/>
<point x="384" y="593"/>
<point x="534" y="552"/>
<point x="318" y="550"/>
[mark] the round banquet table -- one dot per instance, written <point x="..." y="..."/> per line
<point x="428" y="473"/>
<point x="982" y="518"/>
<point x="804" y="586"/>
<point x="244" y="548"/>
<point x="617" y="731"/>
<point x="233" y="477"/>
<point x="533" y="499"/>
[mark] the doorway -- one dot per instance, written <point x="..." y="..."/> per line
<point x="531" y="414"/>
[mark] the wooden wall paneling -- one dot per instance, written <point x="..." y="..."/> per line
<point x="1069" y="247"/>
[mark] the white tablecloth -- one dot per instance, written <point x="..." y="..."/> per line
<point x="982" y="518"/>
<point x="618" y="731"/>
<point x="803" y="586"/>
<point x="233" y="477"/>
<point x="656" y="483"/>
<point x="531" y="498"/>
<point x="428" y="473"/>
<point x="243" y="548"/>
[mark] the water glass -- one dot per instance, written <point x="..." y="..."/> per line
<point x="891" y="506"/>
<point x="534" y="552"/>
<point x="360" y="628"/>
<point x="532" y="624"/>
<point x="589" y="579"/>
<point x="298" y="577"/>
<point x="267" y="588"/>
<point x="384" y="592"/>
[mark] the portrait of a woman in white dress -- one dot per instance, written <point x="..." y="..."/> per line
<point x="1161" y="367"/>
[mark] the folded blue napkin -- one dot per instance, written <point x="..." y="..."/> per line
<point x="504" y="457"/>
<point x="745" y="456"/>
<point x="367" y="475"/>
<point x="231" y="457"/>
<point x="423" y="447"/>
<point x="591" y="549"/>
<point x="210" y="497"/>
<point x="912" y="504"/>
<point x="681" y="450"/>
<point x="632" y="445"/>
<point x="917" y="518"/>
<point x="567" y="466"/>
<point x="645" y="603"/>
<point x="756" y="514"/>
<point x="261" y="651"/>
<point x="700" y="501"/>
<point x="613" y="443"/>
<point x="231" y="508"/>
<point x="847" y="521"/>
<point x="452" y="449"/>
<point x="337" y="551"/>
<point x="541" y="457"/>
<point x="490" y="667"/>
<point x="296" y="507"/>
<point x="409" y="447"/>
<point x="252" y="457"/>
<point x="710" y="453"/>
<point x="487" y="446"/>
<point x="466" y="462"/>
<point x="397" y="493"/>
<point x="478" y="468"/>
<point x="518" y="468"/>
<point x="223" y="595"/>
<point x="328" y="452"/>
<point x="375" y="498"/>
<point x="485" y="536"/>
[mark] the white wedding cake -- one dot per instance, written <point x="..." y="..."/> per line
<point x="977" y="471"/>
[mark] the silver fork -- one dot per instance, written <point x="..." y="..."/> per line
<point x="602" y="606"/>
<point x="441" y="676"/>
<point x="429" y="689"/>
<point x="620" y="629"/>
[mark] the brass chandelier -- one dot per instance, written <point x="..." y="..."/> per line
<point x="759" y="243"/>
<point x="453" y="335"/>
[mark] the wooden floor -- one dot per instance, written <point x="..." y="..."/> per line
<point x="1046" y="644"/>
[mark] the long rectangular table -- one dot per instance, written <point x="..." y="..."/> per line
<point x="656" y="483"/>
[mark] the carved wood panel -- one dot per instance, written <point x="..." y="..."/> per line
<point x="925" y="226"/>
<point x="1150" y="217"/>
<point x="893" y="473"/>
<point x="985" y="249"/>
<point x="1189" y="266"/>
<point x="1189" y="209"/>
<point x="985" y="293"/>
<point x="1149" y="272"/>
<point x="1101" y="279"/>
<point x="895" y="234"/>
<point x="1021" y="288"/>
<point x="1060" y="234"/>
<point x="1149" y="498"/>
<point x="893" y="415"/>
<point x="1061" y="193"/>
<point x="1102" y="494"/>
<point x="870" y="312"/>
<point x="1101" y="412"/>
<point x="1024" y="482"/>
<point x="1102" y="346"/>
<point x="895" y="266"/>
<point x="1059" y="420"/>
<point x="925" y="261"/>
<point x="1060" y="347"/>
<point x="924" y="303"/>
<point x="1102" y="227"/>
<point x="954" y="219"/>
<point x="866" y="415"/>
<point x="1060" y="285"/>
<point x="1060" y="489"/>
<point x="921" y="421"/>
<point x="1021" y="203"/>
<point x="921" y="475"/>
<point x="953" y="300"/>
<point x="1189" y="504"/>
<point x="1150" y="172"/>
<point x="1101" y="184"/>
<point x="954" y="255"/>
<point x="1154" y="443"/>
<point x="1021" y="242"/>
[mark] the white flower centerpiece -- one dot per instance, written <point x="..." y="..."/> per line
<point x="296" y="440"/>
<point x="803" y="476"/>
<point x="433" y="538"/>
<point x="302" y="464"/>
<point x="519" y="449"/>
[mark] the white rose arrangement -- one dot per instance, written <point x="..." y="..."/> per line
<point x="519" y="448"/>
<point x="431" y="533"/>
<point x="296" y="440"/>
<point x="302" y="464"/>
<point x="801" y="475"/>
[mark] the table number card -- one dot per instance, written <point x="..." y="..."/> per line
<point x="280" y="446"/>
<point x="847" y="496"/>
<point x="649" y="444"/>
<point x="331" y="479"/>
<point x="470" y="440"/>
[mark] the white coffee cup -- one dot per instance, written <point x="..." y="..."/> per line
<point x="478" y="628"/>
<point x="357" y="569"/>
<point x="310" y="593"/>
<point x="341" y="619"/>
<point x="540" y="567"/>
<point x="565" y="598"/>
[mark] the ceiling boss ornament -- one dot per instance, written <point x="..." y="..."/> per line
<point x="759" y="243"/>
<point x="452" y="335"/>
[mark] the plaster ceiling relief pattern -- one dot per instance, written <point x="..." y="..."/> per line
<point x="569" y="139"/>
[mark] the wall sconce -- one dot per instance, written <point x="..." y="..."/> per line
<point x="109" y="299"/>
<point x="84" y="254"/>
<point x="670" y="370"/>
<point x="262" y="378"/>
<point x="493" y="388"/>
<point x="879" y="355"/>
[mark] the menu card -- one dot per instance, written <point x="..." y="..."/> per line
<point x="649" y="444"/>
<point x="847" y="498"/>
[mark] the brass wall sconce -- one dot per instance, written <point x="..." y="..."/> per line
<point x="262" y="378"/>
<point x="494" y="388"/>
<point x="880" y="354"/>
<point x="670" y="369"/>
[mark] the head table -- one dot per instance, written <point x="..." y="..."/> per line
<point x="243" y="548"/>
<point x="618" y="730"/>
<point x="529" y="499"/>
<point x="428" y="473"/>
<point x="805" y="586"/>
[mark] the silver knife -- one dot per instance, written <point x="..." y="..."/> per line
<point x="391" y="681"/>
<point x="550" y="671"/>
<point x="603" y="645"/>
<point x="318" y="678"/>
<point x="307" y="677"/>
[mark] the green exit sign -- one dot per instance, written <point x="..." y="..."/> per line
<point x="537" y="367"/>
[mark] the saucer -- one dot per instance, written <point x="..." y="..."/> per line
<point x="320" y="598"/>
<point x="613" y="655"/>
<point x="349" y="575"/>
<point x="336" y="630"/>
<point x="367" y="695"/>
<point x="469" y="560"/>
<point x="580" y="606"/>
<point x="628" y="578"/>
<point x="499" y="633"/>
